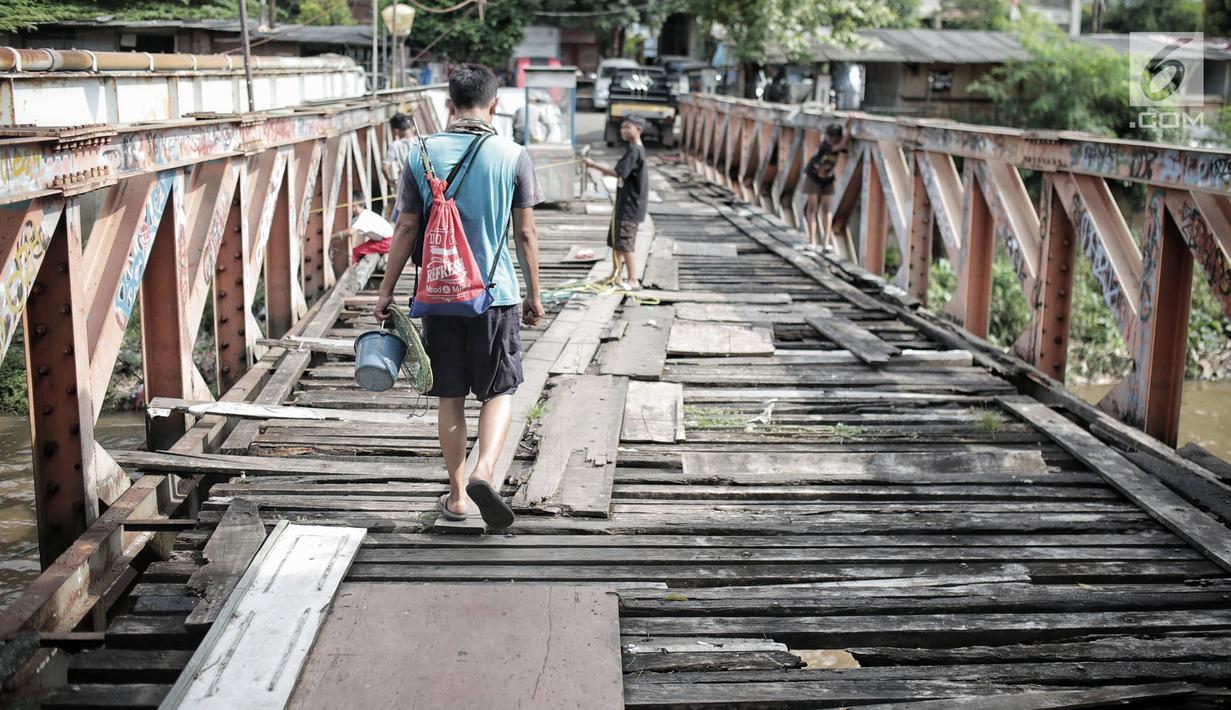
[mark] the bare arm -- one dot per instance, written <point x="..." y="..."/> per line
<point x="527" y="240"/>
<point x="399" y="253"/>
<point x="610" y="172"/>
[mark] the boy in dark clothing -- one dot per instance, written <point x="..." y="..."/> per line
<point x="631" y="197"/>
<point x="819" y="182"/>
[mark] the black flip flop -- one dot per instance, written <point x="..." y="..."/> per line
<point x="496" y="513"/>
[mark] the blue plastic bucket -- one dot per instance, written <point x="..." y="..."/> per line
<point x="378" y="355"/>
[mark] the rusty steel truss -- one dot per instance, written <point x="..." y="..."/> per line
<point x="96" y="220"/>
<point x="903" y="177"/>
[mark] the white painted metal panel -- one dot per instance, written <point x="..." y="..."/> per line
<point x="53" y="101"/>
<point x="253" y="653"/>
<point x="140" y="98"/>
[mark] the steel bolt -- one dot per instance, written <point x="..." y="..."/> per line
<point x="1055" y="366"/>
<point x="241" y="331"/>
<point x="222" y="294"/>
<point x="78" y="505"/>
<point x="224" y="345"/>
<point x="222" y="268"/>
<point x="68" y="350"/>
<point x="48" y="409"/>
<point x="1058" y="340"/>
<point x="226" y="369"/>
<point x="37" y="288"/>
<point x="71" y="390"/>
<point x="237" y="255"/>
<point x="40" y="329"/>
<point x="74" y="429"/>
<point x="50" y="448"/>
<point x="223" y="319"/>
<point x="52" y="488"/>
<point x="239" y="307"/>
<point x="62" y="267"/>
<point x="239" y="280"/>
<point x="43" y="370"/>
<point x="66" y="309"/>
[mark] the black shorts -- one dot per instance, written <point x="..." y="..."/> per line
<point x="480" y="355"/>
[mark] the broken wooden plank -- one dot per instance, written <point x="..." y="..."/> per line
<point x="746" y="313"/>
<point x="229" y="551"/>
<point x="577" y="353"/>
<point x="861" y="343"/>
<point x="661" y="269"/>
<point x="467" y="646"/>
<point x="853" y="465"/>
<point x="1163" y="504"/>
<point x="642" y="350"/>
<point x="719" y="339"/>
<point x="579" y="439"/>
<point x="163" y="406"/>
<point x="725" y="250"/>
<point x="667" y="296"/>
<point x="330" y="346"/>
<point x="252" y="655"/>
<point x="654" y="412"/>
<point x="586" y="254"/>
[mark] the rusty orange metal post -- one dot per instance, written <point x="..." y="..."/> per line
<point x="61" y="408"/>
<point x="918" y="259"/>
<point x="230" y="288"/>
<point x="873" y="218"/>
<point x="1055" y="299"/>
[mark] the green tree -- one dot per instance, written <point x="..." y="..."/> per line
<point x="977" y="14"/>
<point x="1152" y="16"/>
<point x="1217" y="18"/>
<point x="1064" y="85"/>
<point x="793" y="24"/>
<point x="323" y="12"/>
<point x="19" y="15"/>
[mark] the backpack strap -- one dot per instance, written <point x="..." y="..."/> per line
<point x="472" y="152"/>
<point x="504" y="240"/>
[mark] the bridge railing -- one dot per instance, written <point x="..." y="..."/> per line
<point x="97" y="219"/>
<point x="902" y="176"/>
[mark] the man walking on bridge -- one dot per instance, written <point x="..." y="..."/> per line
<point x="480" y="354"/>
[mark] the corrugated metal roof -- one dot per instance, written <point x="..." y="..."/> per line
<point x="355" y="35"/>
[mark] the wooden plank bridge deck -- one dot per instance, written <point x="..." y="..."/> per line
<point x="862" y="517"/>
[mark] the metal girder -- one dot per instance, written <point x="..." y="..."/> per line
<point x="989" y="202"/>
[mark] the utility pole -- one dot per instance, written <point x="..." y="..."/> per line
<point x="243" y="32"/>
<point x="273" y="13"/>
<point x="375" y="45"/>
<point x="1075" y="17"/>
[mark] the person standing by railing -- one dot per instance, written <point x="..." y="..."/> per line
<point x="819" y="176"/>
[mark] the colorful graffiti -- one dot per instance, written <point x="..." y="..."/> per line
<point x="1207" y="252"/>
<point x="1103" y="267"/>
<point x="1150" y="254"/>
<point x="142" y="242"/>
<point x="22" y="268"/>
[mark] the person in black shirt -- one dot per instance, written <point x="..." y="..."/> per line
<point x="630" y="203"/>
<point x="818" y="184"/>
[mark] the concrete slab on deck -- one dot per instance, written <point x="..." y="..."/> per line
<point x="433" y="646"/>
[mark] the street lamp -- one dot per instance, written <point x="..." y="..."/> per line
<point x="398" y="19"/>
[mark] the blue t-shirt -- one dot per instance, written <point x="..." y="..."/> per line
<point x="500" y="179"/>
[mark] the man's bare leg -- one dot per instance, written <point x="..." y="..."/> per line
<point x="451" y="425"/>
<point x="630" y="265"/>
<point x="826" y="223"/>
<point x="494" y="419"/>
<point x="810" y="218"/>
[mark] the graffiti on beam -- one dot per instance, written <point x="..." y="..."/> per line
<point x="142" y="243"/>
<point x="217" y="226"/>
<point x="1103" y="268"/>
<point x="142" y="150"/>
<point x="1210" y="172"/>
<point x="21" y="269"/>
<point x="1206" y="250"/>
<point x="1150" y="254"/>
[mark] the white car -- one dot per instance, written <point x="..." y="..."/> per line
<point x="602" y="83"/>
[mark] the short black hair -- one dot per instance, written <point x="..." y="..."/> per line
<point x="634" y="118"/>
<point x="472" y="86"/>
<point x="834" y="130"/>
<point x="400" y="122"/>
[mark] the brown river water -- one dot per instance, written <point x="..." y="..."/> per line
<point x="1205" y="419"/>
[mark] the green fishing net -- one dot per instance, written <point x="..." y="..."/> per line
<point x="415" y="366"/>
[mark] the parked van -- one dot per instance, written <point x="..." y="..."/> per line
<point x="602" y="83"/>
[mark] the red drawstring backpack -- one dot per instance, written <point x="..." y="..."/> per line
<point x="451" y="284"/>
